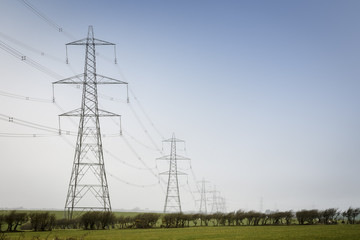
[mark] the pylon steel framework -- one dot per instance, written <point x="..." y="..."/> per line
<point x="218" y="202"/>
<point x="215" y="200"/>
<point x="203" y="197"/>
<point x="172" y="200"/>
<point x="88" y="187"/>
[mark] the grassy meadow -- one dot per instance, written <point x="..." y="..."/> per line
<point x="293" y="232"/>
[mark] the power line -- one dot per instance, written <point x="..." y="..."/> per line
<point x="192" y="194"/>
<point x="138" y="157"/>
<point x="139" y="142"/>
<point x="28" y="124"/>
<point x="124" y="162"/>
<point x="133" y="184"/>
<point x="38" y="126"/>
<point x="24" y="135"/>
<point x="136" y="100"/>
<point x="21" y="97"/>
<point x="41" y="15"/>
<point x="19" y="55"/>
<point x="145" y="113"/>
<point x="194" y="177"/>
<point x="23" y="45"/>
<point x="144" y="128"/>
<point x="27" y="60"/>
<point x="45" y="18"/>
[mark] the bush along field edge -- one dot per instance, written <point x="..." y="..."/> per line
<point x="46" y="221"/>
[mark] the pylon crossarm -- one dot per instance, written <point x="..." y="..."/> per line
<point x="170" y="157"/>
<point x="108" y="80"/>
<point x="73" y="113"/>
<point x="77" y="42"/>
<point x="71" y="80"/>
<point x="173" y="140"/>
<point x="78" y="113"/>
<point x="90" y="208"/>
<point x="103" y="113"/>
<point x="102" y="42"/>
<point x="167" y="173"/>
<point x="84" y="41"/>
<point x="90" y="164"/>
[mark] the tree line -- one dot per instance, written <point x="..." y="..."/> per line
<point x="45" y="221"/>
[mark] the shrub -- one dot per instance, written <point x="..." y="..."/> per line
<point x="14" y="220"/>
<point x="97" y="220"/>
<point x="42" y="221"/>
<point x="146" y="220"/>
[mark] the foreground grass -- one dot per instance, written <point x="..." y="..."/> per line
<point x="343" y="232"/>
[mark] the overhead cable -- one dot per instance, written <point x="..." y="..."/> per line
<point x="23" y="45"/>
<point x="27" y="60"/>
<point x="124" y="162"/>
<point x="24" y="135"/>
<point x="12" y="95"/>
<point x="19" y="55"/>
<point x="138" y="157"/>
<point x="45" y="18"/>
<point x="145" y="113"/>
<point x="132" y="184"/>
<point x="144" y="128"/>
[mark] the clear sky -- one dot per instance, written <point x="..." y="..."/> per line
<point x="265" y="94"/>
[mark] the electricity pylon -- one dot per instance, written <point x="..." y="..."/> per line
<point x="222" y="204"/>
<point x="172" y="200"/>
<point x="218" y="202"/>
<point x="88" y="187"/>
<point x="203" y="197"/>
<point x="215" y="201"/>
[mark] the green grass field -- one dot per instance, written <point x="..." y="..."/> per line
<point x="295" y="232"/>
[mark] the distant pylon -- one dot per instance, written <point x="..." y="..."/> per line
<point x="215" y="201"/>
<point x="172" y="200"/>
<point x="222" y="204"/>
<point x="88" y="187"/>
<point x="203" y="197"/>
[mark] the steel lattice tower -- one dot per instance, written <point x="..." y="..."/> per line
<point x="172" y="200"/>
<point x="215" y="201"/>
<point x="203" y="197"/>
<point x="88" y="187"/>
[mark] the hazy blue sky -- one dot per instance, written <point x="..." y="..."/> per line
<point x="265" y="94"/>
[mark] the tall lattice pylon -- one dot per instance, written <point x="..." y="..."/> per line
<point x="172" y="200"/>
<point x="88" y="188"/>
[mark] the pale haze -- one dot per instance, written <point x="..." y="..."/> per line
<point x="265" y="94"/>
